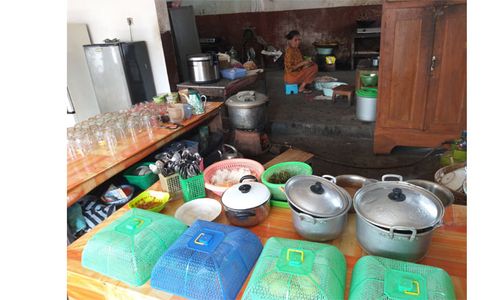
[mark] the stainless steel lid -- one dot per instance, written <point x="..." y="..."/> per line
<point x="246" y="195"/>
<point x="397" y="203"/>
<point x="317" y="196"/>
<point x="247" y="99"/>
<point x="199" y="57"/>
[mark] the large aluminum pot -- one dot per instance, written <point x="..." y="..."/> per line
<point x="247" y="203"/>
<point x="396" y="219"/>
<point x="203" y="68"/>
<point x="319" y="207"/>
<point x="247" y="110"/>
<point x="398" y="242"/>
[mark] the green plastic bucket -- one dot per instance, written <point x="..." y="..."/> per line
<point x="294" y="168"/>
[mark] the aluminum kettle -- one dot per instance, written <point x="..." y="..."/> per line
<point x="233" y="153"/>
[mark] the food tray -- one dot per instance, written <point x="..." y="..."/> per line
<point x="149" y="196"/>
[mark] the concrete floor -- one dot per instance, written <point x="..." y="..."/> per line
<point x="341" y="143"/>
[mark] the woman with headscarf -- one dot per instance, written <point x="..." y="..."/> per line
<point x="297" y="69"/>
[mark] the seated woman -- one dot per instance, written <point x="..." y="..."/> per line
<point x="298" y="70"/>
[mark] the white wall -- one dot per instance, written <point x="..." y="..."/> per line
<point x="78" y="81"/>
<point x="108" y="19"/>
<point x="212" y="7"/>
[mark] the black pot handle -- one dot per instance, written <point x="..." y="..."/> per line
<point x="245" y="188"/>
<point x="397" y="195"/>
<point x="248" y="177"/>
<point x="317" y="188"/>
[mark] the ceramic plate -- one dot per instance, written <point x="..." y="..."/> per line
<point x="206" y="209"/>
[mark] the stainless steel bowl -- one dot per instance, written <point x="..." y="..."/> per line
<point x="443" y="193"/>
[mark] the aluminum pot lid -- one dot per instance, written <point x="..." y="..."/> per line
<point x="199" y="57"/>
<point x="317" y="196"/>
<point x="397" y="203"/>
<point x="245" y="195"/>
<point x="247" y="99"/>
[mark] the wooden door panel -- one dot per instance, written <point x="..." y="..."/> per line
<point x="447" y="99"/>
<point x="406" y="45"/>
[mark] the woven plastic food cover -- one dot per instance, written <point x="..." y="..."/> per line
<point x="209" y="261"/>
<point x="293" y="269"/>
<point x="376" y="277"/>
<point x="128" y="248"/>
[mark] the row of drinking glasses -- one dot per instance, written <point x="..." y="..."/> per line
<point x="106" y="131"/>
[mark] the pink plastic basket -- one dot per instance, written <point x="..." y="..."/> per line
<point x="255" y="167"/>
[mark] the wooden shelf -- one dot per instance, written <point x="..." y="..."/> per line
<point x="366" y="53"/>
<point x="84" y="174"/>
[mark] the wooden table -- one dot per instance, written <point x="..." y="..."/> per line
<point x="223" y="88"/>
<point x="448" y="250"/>
<point x="84" y="174"/>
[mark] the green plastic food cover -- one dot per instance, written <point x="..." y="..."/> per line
<point x="376" y="277"/>
<point x="294" y="269"/>
<point x="128" y="248"/>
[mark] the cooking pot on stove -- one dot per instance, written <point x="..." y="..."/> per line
<point x="247" y="110"/>
<point x="203" y="68"/>
<point x="396" y="219"/>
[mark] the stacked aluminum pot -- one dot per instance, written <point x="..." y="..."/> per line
<point x="319" y="207"/>
<point x="396" y="219"/>
<point x="247" y="110"/>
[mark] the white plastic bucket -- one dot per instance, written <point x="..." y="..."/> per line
<point x="366" y="106"/>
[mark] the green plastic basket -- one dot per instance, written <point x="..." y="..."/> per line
<point x="128" y="248"/>
<point x="293" y="269"/>
<point x="142" y="182"/>
<point x="376" y="277"/>
<point x="193" y="188"/>
<point x="292" y="167"/>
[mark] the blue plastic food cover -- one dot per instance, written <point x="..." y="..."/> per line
<point x="209" y="261"/>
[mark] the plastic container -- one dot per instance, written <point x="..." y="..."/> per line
<point x="128" y="248"/>
<point x="294" y="269"/>
<point x="192" y="146"/>
<point x="170" y="184"/>
<point x="230" y="164"/>
<point x="193" y="187"/>
<point x="324" y="51"/>
<point x="370" y="79"/>
<point x="292" y="168"/>
<point x="366" y="104"/>
<point x="376" y="277"/>
<point x="233" y="73"/>
<point x="148" y="197"/>
<point x="209" y="261"/>
<point x="142" y="182"/>
<point x="176" y="112"/>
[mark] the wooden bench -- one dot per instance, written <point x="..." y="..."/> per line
<point x="290" y="155"/>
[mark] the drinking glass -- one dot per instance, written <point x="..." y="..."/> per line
<point x="110" y="138"/>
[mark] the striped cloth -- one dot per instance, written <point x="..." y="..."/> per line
<point x="95" y="211"/>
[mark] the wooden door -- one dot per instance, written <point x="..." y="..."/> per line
<point x="406" y="48"/>
<point x="447" y="99"/>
